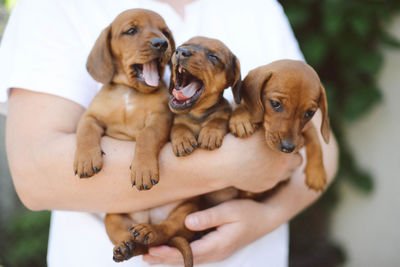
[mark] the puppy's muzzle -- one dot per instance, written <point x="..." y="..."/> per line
<point x="182" y="52"/>
<point x="287" y="146"/>
<point x="159" y="44"/>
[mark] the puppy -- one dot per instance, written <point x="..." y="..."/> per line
<point x="202" y="69"/>
<point x="129" y="58"/>
<point x="283" y="96"/>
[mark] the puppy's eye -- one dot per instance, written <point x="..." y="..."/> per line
<point x="309" y="114"/>
<point x="213" y="58"/>
<point x="166" y="33"/>
<point x="276" y="105"/>
<point x="132" y="31"/>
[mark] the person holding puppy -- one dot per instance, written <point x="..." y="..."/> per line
<point x="42" y="62"/>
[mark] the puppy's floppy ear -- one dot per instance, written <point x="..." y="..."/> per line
<point x="235" y="79"/>
<point x="323" y="105"/>
<point x="171" y="40"/>
<point x="100" y="62"/>
<point x="173" y="75"/>
<point x="251" y="91"/>
<point x="173" y="48"/>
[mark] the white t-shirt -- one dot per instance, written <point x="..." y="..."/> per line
<point x="45" y="47"/>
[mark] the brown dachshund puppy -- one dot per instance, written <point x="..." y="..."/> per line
<point x="284" y="96"/>
<point x="202" y="69"/>
<point x="129" y="58"/>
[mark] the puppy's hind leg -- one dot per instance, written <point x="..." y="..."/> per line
<point x="117" y="227"/>
<point x="171" y="231"/>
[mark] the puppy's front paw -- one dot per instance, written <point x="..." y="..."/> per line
<point x="88" y="162"/>
<point x="183" y="143"/>
<point x="144" y="173"/>
<point x="147" y="234"/>
<point x="240" y="123"/>
<point x="211" y="138"/>
<point x="315" y="177"/>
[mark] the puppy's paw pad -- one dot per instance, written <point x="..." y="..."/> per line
<point x="144" y="233"/>
<point x="87" y="163"/>
<point x="316" y="184"/>
<point x="144" y="175"/>
<point x="184" y="144"/>
<point x="242" y="128"/>
<point x="315" y="179"/>
<point x="123" y="251"/>
<point x="210" y="138"/>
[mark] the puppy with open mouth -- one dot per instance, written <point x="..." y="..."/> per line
<point x="202" y="68"/>
<point x="128" y="58"/>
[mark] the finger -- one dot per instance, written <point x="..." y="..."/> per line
<point x="212" y="217"/>
<point x="165" y="251"/>
<point x="206" y="246"/>
<point x="152" y="260"/>
<point x="215" y="245"/>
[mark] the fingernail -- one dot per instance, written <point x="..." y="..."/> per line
<point x="192" y="221"/>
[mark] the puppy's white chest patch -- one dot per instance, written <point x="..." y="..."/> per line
<point x="129" y="105"/>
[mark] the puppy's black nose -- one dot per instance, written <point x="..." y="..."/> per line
<point x="159" y="44"/>
<point x="183" y="52"/>
<point x="287" y="146"/>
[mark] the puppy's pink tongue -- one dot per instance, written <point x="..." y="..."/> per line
<point x="179" y="95"/>
<point x="150" y="73"/>
<point x="186" y="92"/>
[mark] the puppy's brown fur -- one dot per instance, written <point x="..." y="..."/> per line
<point x="201" y="120"/>
<point x="127" y="107"/>
<point x="129" y="58"/>
<point x="283" y="96"/>
<point x="205" y="114"/>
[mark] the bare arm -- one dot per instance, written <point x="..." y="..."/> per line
<point x="41" y="142"/>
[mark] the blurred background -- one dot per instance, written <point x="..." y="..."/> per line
<point x="354" y="47"/>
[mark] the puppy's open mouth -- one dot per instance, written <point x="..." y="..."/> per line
<point x="148" y="72"/>
<point x="188" y="89"/>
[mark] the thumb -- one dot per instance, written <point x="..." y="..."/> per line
<point x="212" y="217"/>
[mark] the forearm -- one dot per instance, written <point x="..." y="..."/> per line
<point x="41" y="143"/>
<point x="41" y="160"/>
<point x="110" y="190"/>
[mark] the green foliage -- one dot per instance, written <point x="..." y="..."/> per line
<point x="24" y="239"/>
<point x="343" y="41"/>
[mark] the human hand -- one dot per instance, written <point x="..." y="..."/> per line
<point x="235" y="228"/>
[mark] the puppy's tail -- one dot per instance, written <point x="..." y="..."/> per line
<point x="183" y="246"/>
